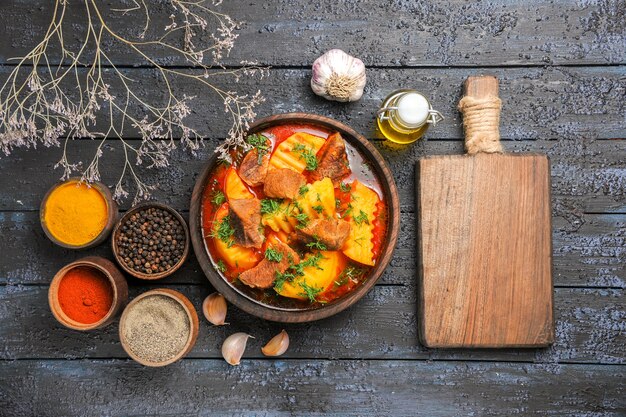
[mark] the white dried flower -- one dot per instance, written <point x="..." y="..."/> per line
<point x="42" y="109"/>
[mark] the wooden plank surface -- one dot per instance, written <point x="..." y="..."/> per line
<point x="587" y="175"/>
<point x="335" y="388"/>
<point x="590" y="254"/>
<point x="485" y="250"/>
<point x="391" y="33"/>
<point x="484" y="236"/>
<point x="590" y="328"/>
<point x="572" y="103"/>
<point x="563" y="79"/>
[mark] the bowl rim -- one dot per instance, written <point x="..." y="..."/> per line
<point x="141" y="275"/>
<point x="278" y="314"/>
<point x="89" y="262"/>
<point x="112" y="213"/>
<point x="187" y="306"/>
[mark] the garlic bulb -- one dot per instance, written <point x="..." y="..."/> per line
<point x="277" y="345"/>
<point x="234" y="346"/>
<point x="214" y="308"/>
<point x="338" y="76"/>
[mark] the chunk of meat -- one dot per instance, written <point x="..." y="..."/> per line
<point x="332" y="160"/>
<point x="252" y="169"/>
<point x="283" y="183"/>
<point x="264" y="274"/>
<point x="246" y="221"/>
<point x="332" y="233"/>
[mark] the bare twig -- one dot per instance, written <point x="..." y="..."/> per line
<point x="42" y="104"/>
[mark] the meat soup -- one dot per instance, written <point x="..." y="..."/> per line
<point x="298" y="220"/>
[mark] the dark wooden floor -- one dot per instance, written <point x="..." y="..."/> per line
<point x="562" y="66"/>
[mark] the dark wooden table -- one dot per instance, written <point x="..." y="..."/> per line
<point x="562" y="66"/>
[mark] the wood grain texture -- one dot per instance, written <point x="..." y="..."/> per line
<point x="484" y="241"/>
<point x="587" y="253"/>
<point x="590" y="328"/>
<point x="587" y="176"/>
<point x="333" y="388"/>
<point x="484" y="251"/>
<point x="391" y="33"/>
<point x="560" y="98"/>
<point x="539" y="103"/>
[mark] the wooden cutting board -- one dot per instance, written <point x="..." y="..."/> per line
<point x="484" y="238"/>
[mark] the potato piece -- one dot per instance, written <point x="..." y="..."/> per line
<point x="235" y="256"/>
<point x="359" y="246"/>
<point x="285" y="155"/>
<point x="319" y="200"/>
<point x="234" y="187"/>
<point x="283" y="219"/>
<point x="317" y="278"/>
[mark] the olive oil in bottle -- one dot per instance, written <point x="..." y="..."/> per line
<point x="405" y="116"/>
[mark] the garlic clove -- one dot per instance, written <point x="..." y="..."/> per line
<point x="234" y="346"/>
<point x="277" y="345"/>
<point x="338" y="76"/>
<point x="214" y="308"/>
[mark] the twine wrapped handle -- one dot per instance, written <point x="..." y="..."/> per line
<point x="481" y="115"/>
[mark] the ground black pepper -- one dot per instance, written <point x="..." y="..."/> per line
<point x="156" y="328"/>
<point x="151" y="241"/>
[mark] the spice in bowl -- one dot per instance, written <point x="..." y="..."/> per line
<point x="85" y="295"/>
<point x="156" y="329"/>
<point x="75" y="215"/>
<point x="150" y="242"/>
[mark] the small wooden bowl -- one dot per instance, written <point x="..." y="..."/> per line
<point x="111" y="215"/>
<point x="191" y="315"/>
<point x="268" y="312"/>
<point x="142" y="275"/>
<point x="118" y="283"/>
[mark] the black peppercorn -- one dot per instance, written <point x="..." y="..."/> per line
<point x="150" y="241"/>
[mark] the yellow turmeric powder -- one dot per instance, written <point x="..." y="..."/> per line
<point x="75" y="213"/>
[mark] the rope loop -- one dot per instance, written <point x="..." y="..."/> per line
<point x="481" y="121"/>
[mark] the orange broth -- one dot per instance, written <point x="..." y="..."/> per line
<point x="343" y="284"/>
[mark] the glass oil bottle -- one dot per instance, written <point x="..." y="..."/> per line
<point x="405" y="116"/>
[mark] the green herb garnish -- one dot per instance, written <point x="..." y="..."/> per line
<point x="307" y="155"/>
<point x="316" y="244"/>
<point x="345" y="187"/>
<point x="303" y="190"/>
<point x="273" y="255"/>
<point x="281" y="278"/>
<point x="224" y="231"/>
<point x="361" y="218"/>
<point x="269" y="206"/>
<point x="350" y="273"/>
<point x="347" y="212"/>
<point x="218" y="198"/>
<point x="260" y="143"/>
<point x="303" y="220"/>
<point x="310" y="292"/>
<point x="221" y="266"/>
<point x="319" y="208"/>
<point x="295" y="270"/>
<point x="313" y="260"/>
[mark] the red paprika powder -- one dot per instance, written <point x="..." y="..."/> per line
<point x="85" y="294"/>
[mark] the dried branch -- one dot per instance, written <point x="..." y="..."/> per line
<point x="42" y="104"/>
